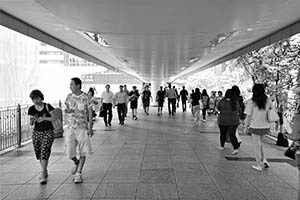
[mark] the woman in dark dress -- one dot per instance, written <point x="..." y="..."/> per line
<point x="41" y="116"/>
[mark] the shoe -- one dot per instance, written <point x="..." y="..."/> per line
<point x="158" y="114"/>
<point x="221" y="148"/>
<point x="109" y="124"/>
<point x="147" y="113"/>
<point x="135" y="118"/>
<point x="43" y="180"/>
<point x="236" y="151"/>
<point x="106" y="124"/>
<point x="204" y="120"/>
<point x="74" y="169"/>
<point x="266" y="164"/>
<point x="239" y="144"/>
<point x="258" y="168"/>
<point x="78" y="178"/>
<point x="122" y="123"/>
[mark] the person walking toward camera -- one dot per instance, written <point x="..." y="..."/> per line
<point x="121" y="100"/>
<point x="106" y="101"/>
<point x="133" y="98"/>
<point x="257" y="123"/>
<point x="228" y="120"/>
<point x="41" y="116"/>
<point x="79" y="124"/>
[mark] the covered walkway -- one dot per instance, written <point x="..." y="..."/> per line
<point x="154" y="157"/>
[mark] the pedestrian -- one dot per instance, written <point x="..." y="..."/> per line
<point x="93" y="101"/>
<point x="205" y="103"/>
<point x="171" y="95"/>
<point x="177" y="98"/>
<point x="240" y="99"/>
<point x="146" y="95"/>
<point x="184" y="96"/>
<point x="121" y="100"/>
<point x="106" y="102"/>
<point x="133" y="98"/>
<point x="196" y="105"/>
<point x="160" y="98"/>
<point x="126" y="106"/>
<point x="228" y="120"/>
<point x="78" y="129"/>
<point x="190" y="99"/>
<point x="218" y="99"/>
<point x="41" y="115"/>
<point x="257" y="124"/>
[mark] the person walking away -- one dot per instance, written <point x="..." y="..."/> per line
<point x="41" y="116"/>
<point x="196" y="105"/>
<point x="126" y="106"/>
<point x="171" y="95"/>
<point x="228" y="120"/>
<point x="257" y="124"/>
<point x="106" y="102"/>
<point x="239" y="98"/>
<point x="78" y="129"/>
<point x="218" y="99"/>
<point x="121" y="100"/>
<point x="190" y="100"/>
<point x="146" y="95"/>
<point x="212" y="103"/>
<point x="177" y="98"/>
<point x="133" y="98"/>
<point x="205" y="103"/>
<point x="160" y="98"/>
<point x="184" y="96"/>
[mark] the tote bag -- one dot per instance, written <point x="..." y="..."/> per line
<point x="272" y="115"/>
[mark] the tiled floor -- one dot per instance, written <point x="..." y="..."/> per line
<point x="154" y="157"/>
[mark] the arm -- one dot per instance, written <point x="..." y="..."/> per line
<point x="90" y="126"/>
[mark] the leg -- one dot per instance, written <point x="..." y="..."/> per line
<point x="263" y="157"/>
<point x="233" y="139"/>
<point x="119" y="112"/>
<point x="223" y="132"/>
<point x="105" y="108"/>
<point x="123" y="107"/>
<point x="110" y="115"/>
<point x="204" y="113"/>
<point x="173" y="106"/>
<point x="46" y="145"/>
<point x="169" y="106"/>
<point x="257" y="147"/>
<point x="81" y="164"/>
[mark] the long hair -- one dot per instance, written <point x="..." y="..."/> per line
<point x="204" y="92"/>
<point x="230" y="95"/>
<point x="197" y="93"/>
<point x="236" y="90"/>
<point x="259" y="97"/>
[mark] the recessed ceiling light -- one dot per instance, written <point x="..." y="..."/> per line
<point x="250" y="29"/>
<point x="67" y="28"/>
<point x="193" y="59"/>
<point x="182" y="67"/>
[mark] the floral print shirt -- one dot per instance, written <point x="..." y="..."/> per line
<point x="77" y="117"/>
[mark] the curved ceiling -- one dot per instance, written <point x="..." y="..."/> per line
<point x="157" y="40"/>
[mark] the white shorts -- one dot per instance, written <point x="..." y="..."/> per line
<point x="77" y="142"/>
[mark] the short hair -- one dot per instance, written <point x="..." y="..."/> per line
<point x="121" y="86"/>
<point x="134" y="87"/>
<point x="34" y="94"/>
<point x="107" y="85"/>
<point x="92" y="91"/>
<point x="77" y="81"/>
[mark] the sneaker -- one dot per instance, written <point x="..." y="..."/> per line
<point x="258" y="168"/>
<point x="204" y="120"/>
<point x="158" y="114"/>
<point x="135" y="118"/>
<point x="109" y="123"/>
<point x="221" y="148"/>
<point x="236" y="151"/>
<point x="266" y="164"/>
<point x="74" y="169"/>
<point x="43" y="180"/>
<point x="78" y="178"/>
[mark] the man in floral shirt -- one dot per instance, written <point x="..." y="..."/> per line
<point x="79" y="119"/>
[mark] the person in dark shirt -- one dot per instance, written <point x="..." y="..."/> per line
<point x="146" y="95"/>
<point x="41" y="116"/>
<point x="133" y="98"/>
<point x="205" y="103"/>
<point x="228" y="120"/>
<point x="184" y="96"/>
<point x="195" y="98"/>
<point x="160" y="98"/>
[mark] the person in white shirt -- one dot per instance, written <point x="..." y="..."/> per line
<point x="120" y="100"/>
<point x="106" y="101"/>
<point x="257" y="123"/>
<point x="171" y="95"/>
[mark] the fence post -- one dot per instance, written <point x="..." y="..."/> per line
<point x="19" y="125"/>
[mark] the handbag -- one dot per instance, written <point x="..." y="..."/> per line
<point x="102" y="112"/>
<point x="272" y="115"/>
<point x="282" y="140"/>
<point x="57" y="124"/>
<point x="291" y="151"/>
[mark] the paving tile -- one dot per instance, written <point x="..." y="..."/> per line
<point x="122" y="176"/>
<point x="278" y="193"/>
<point x="156" y="191"/>
<point x="199" y="191"/>
<point x="245" y="192"/>
<point x="126" y="165"/>
<point x="75" y="191"/>
<point x="157" y="164"/>
<point x="116" y="190"/>
<point x="32" y="191"/>
<point x="88" y="177"/>
<point x="17" y="178"/>
<point x="157" y="176"/>
<point x="7" y="189"/>
<point x="53" y="178"/>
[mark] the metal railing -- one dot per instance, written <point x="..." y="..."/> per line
<point x="14" y="126"/>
